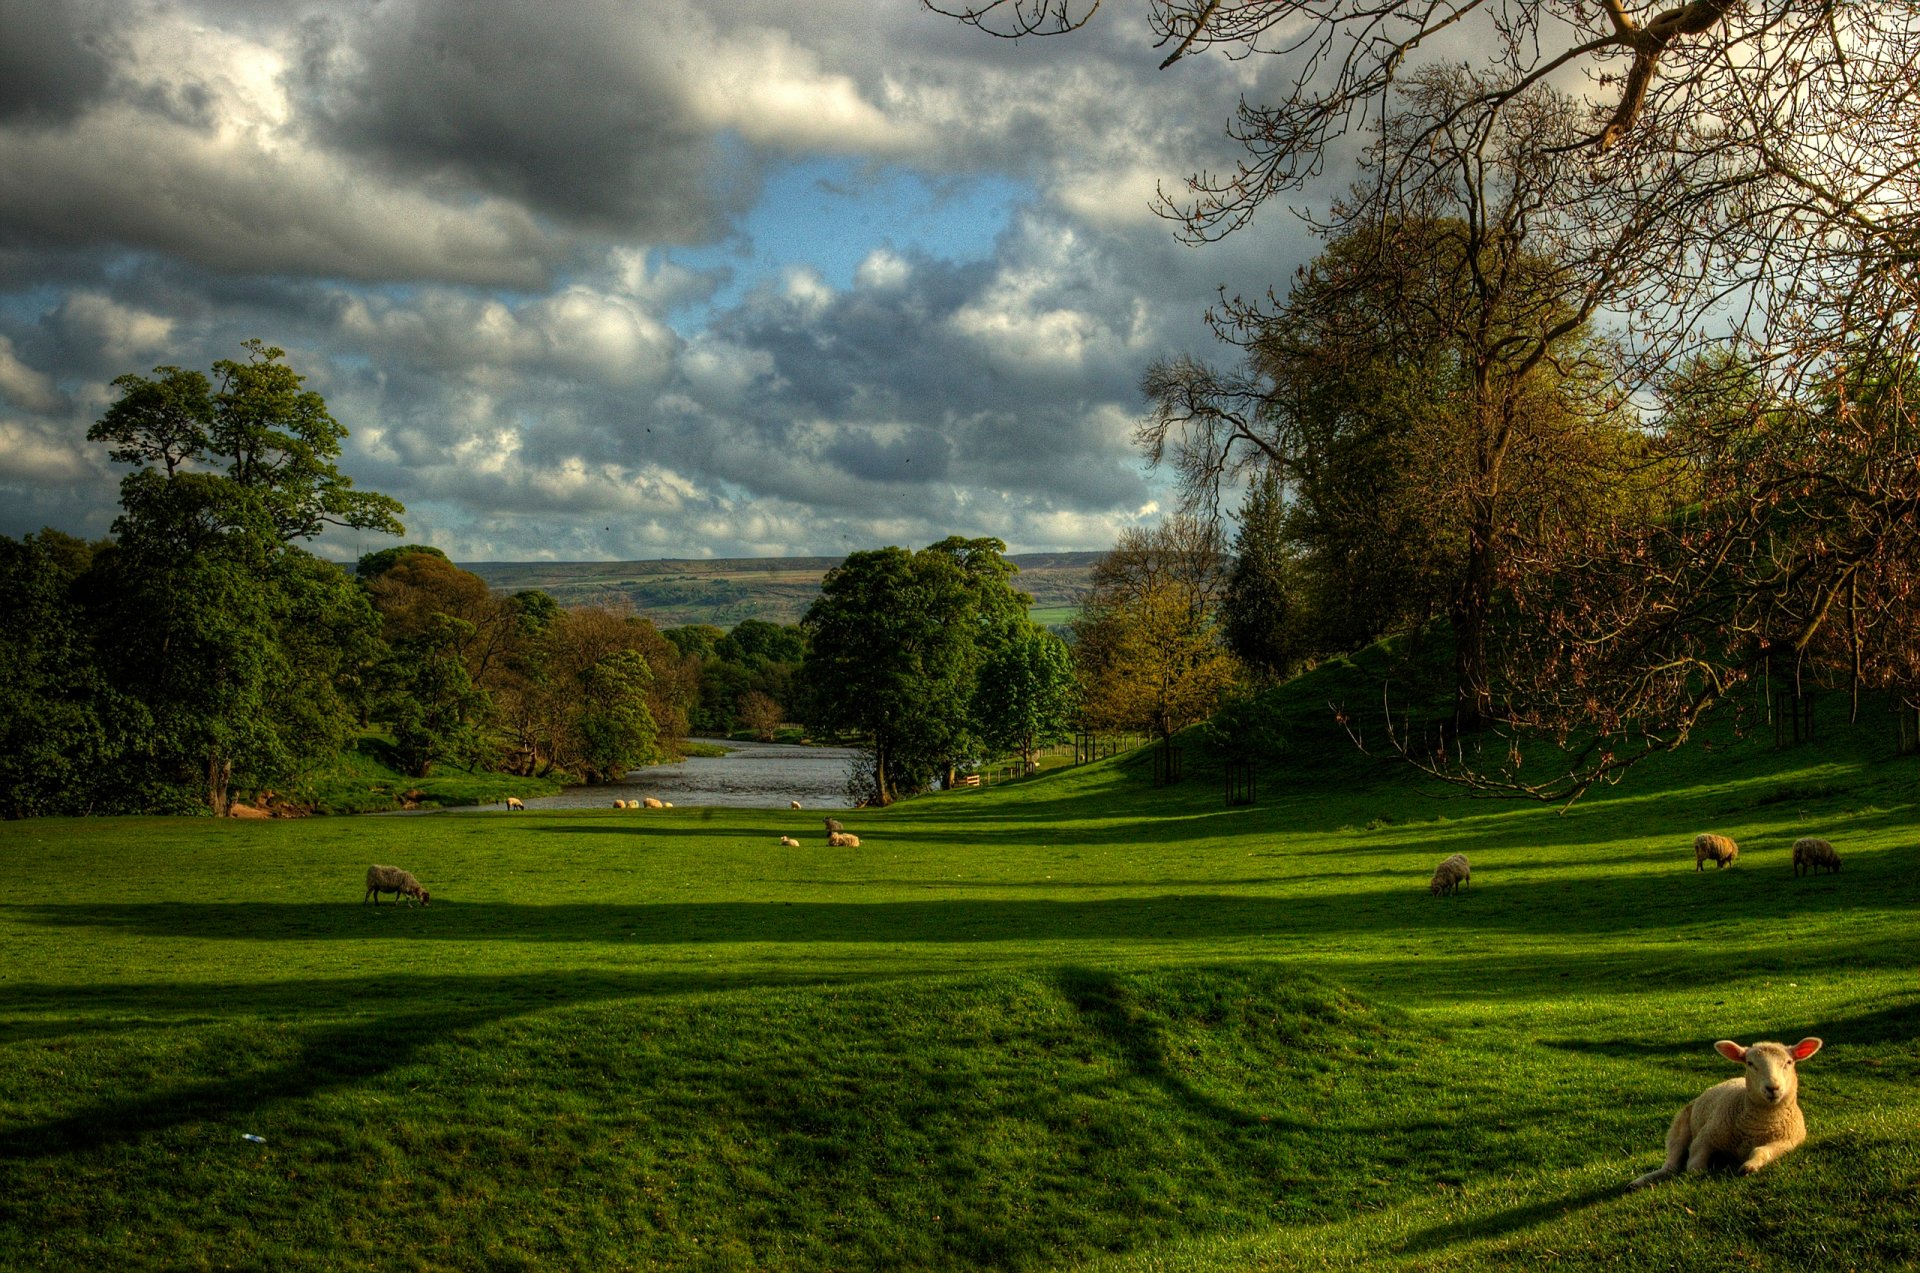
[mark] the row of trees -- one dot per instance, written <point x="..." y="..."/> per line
<point x="1437" y="415"/>
<point x="200" y="652"/>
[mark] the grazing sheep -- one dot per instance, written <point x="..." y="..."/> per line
<point x="666" y="804"/>
<point x="1720" y="848"/>
<point x="619" y="804"/>
<point x="843" y="840"/>
<point x="514" y="802"/>
<point x="1452" y="874"/>
<point x="833" y="826"/>
<point x="793" y="804"/>
<point x="1748" y="1121"/>
<point x="1813" y="853"/>
<point x="788" y="842"/>
<point x="652" y="803"/>
<point x="391" y="879"/>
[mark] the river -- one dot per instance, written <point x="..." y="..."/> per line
<point x="750" y="776"/>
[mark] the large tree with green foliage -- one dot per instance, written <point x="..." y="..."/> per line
<point x="895" y="645"/>
<point x="241" y="657"/>
<point x="1026" y="695"/>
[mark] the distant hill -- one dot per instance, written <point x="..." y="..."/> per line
<point x="725" y="591"/>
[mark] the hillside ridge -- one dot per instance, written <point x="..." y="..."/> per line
<point x="726" y="590"/>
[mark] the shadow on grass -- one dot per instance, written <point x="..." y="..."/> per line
<point x="1502" y="1223"/>
<point x="1655" y="906"/>
<point x="1890" y="1023"/>
<point x="418" y="1012"/>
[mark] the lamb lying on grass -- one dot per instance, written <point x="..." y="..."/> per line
<point x="1811" y="853"/>
<point x="843" y="840"/>
<point x="788" y="842"/>
<point x="391" y="879"/>
<point x="1747" y="1121"/>
<point x="1719" y="849"/>
<point x="1452" y="874"/>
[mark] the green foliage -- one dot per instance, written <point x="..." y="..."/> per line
<point x="54" y="745"/>
<point x="374" y="564"/>
<point x="1026" y="695"/>
<point x="430" y="702"/>
<point x="895" y="646"/>
<point x="1260" y="612"/>
<point x="616" y="731"/>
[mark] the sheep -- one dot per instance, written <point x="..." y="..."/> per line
<point x="788" y="842"/>
<point x="843" y="840"/>
<point x="793" y="804"/>
<point x="1720" y="848"/>
<point x="652" y="802"/>
<point x="833" y="826"/>
<point x="1453" y="873"/>
<point x="1749" y="1121"/>
<point x="514" y="802"/>
<point x="391" y="879"/>
<point x="619" y="804"/>
<point x="1813" y="853"/>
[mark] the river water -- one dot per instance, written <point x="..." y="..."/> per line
<point x="751" y="776"/>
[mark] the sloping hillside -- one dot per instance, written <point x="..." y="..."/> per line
<point x="725" y="591"/>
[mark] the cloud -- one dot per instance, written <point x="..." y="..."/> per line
<point x="26" y="388"/>
<point x="469" y="221"/>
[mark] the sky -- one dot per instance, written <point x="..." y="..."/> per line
<point x="622" y="279"/>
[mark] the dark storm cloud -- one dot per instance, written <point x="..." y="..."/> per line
<point x="52" y="60"/>
<point x="572" y="109"/>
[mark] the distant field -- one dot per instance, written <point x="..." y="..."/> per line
<point x="725" y="591"/>
<point x="1078" y="1022"/>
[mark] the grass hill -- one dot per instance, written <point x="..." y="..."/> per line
<point x="725" y="591"/>
<point x="1076" y="1022"/>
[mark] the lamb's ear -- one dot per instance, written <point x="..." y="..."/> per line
<point x="1806" y="1048"/>
<point x="1731" y="1050"/>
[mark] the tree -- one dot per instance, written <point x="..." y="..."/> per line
<point x="431" y="703"/>
<point x="1440" y="349"/>
<point x="616" y="731"/>
<point x="1146" y="642"/>
<point x="1260" y="611"/>
<point x="1026" y="695"/>
<point x="895" y="643"/>
<point x="55" y="746"/>
<point x="1745" y="167"/>
<point x="760" y="713"/>
<point x="240" y="657"/>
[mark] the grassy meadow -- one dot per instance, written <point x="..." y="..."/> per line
<point x="1073" y="1022"/>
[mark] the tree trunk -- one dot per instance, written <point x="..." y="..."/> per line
<point x="1472" y="699"/>
<point x="219" y="774"/>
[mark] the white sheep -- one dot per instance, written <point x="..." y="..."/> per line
<point x="788" y="842"/>
<point x="391" y="879"/>
<point x="514" y="802"/>
<point x="1721" y="849"/>
<point x="1747" y="1121"/>
<point x="843" y="840"/>
<point x="793" y="804"/>
<point x="619" y="804"/>
<point x="1452" y="874"/>
<point x="653" y="803"/>
<point x="1813" y="853"/>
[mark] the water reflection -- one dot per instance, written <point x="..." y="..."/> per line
<point x="751" y="776"/>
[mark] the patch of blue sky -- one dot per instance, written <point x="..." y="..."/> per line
<point x="831" y="214"/>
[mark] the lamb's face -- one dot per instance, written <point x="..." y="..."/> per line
<point x="1773" y="1073"/>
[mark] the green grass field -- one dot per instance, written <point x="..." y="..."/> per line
<point x="1072" y="1022"/>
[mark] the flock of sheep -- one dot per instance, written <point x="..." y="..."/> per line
<point x="1810" y="854"/>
